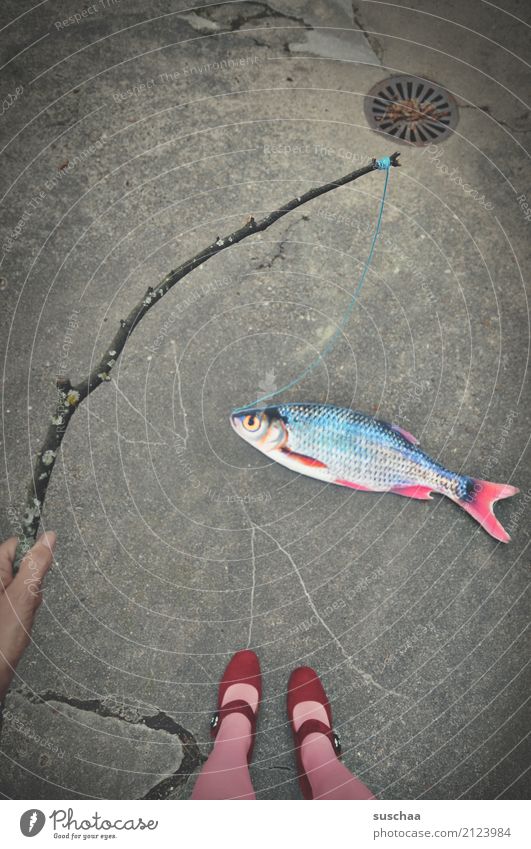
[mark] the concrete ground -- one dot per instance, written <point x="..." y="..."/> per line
<point x="140" y="133"/>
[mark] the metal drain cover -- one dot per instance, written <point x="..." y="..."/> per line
<point x="411" y="110"/>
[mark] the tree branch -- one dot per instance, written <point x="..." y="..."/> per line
<point x="69" y="397"/>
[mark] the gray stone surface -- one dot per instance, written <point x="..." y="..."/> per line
<point x="61" y="743"/>
<point x="177" y="543"/>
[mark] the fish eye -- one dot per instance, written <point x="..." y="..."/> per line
<point x="251" y="423"/>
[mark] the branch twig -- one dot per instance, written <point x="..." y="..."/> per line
<point x="70" y="397"/>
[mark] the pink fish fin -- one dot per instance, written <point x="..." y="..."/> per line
<point x="405" y="433"/>
<point x="481" y="506"/>
<point x="304" y="459"/>
<point x="353" y="485"/>
<point x="423" y="493"/>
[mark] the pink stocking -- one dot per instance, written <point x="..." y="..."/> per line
<point x="226" y="773"/>
<point x="328" y="777"/>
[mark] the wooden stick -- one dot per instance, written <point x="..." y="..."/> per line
<point x="69" y="397"/>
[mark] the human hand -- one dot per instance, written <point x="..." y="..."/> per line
<point x="20" y="597"/>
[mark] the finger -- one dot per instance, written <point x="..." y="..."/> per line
<point x="7" y="555"/>
<point x="35" y="565"/>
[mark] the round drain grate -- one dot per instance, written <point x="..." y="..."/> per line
<point x="411" y="110"/>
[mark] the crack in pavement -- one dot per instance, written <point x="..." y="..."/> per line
<point x="244" y="15"/>
<point x="120" y="436"/>
<point x="238" y="17"/>
<point x="320" y="40"/>
<point x="364" y="675"/>
<point x="159" y="721"/>
<point x="279" y="254"/>
<point x="120" y="392"/>
<point x="282" y="245"/>
<point x="253" y="588"/>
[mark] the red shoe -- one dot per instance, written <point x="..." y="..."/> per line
<point x="305" y="686"/>
<point x="243" y="668"/>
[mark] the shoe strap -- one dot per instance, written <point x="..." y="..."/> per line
<point x="236" y="706"/>
<point x="315" y="726"/>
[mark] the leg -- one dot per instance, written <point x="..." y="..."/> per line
<point x="225" y="775"/>
<point x="328" y="777"/>
<point x="321" y="773"/>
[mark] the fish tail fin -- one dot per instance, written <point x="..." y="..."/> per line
<point x="480" y="506"/>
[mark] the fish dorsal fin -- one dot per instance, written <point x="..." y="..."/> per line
<point x="405" y="433"/>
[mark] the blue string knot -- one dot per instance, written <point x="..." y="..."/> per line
<point x="383" y="164"/>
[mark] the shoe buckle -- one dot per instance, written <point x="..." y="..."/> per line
<point x="337" y="743"/>
<point x="214" y="722"/>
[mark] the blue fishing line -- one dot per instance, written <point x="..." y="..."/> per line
<point x="383" y="164"/>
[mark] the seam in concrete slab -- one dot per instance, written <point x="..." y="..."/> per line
<point x="373" y="42"/>
<point x="159" y="721"/>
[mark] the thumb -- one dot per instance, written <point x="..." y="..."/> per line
<point x="35" y="564"/>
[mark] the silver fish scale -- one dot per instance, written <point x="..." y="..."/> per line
<point x="359" y="448"/>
